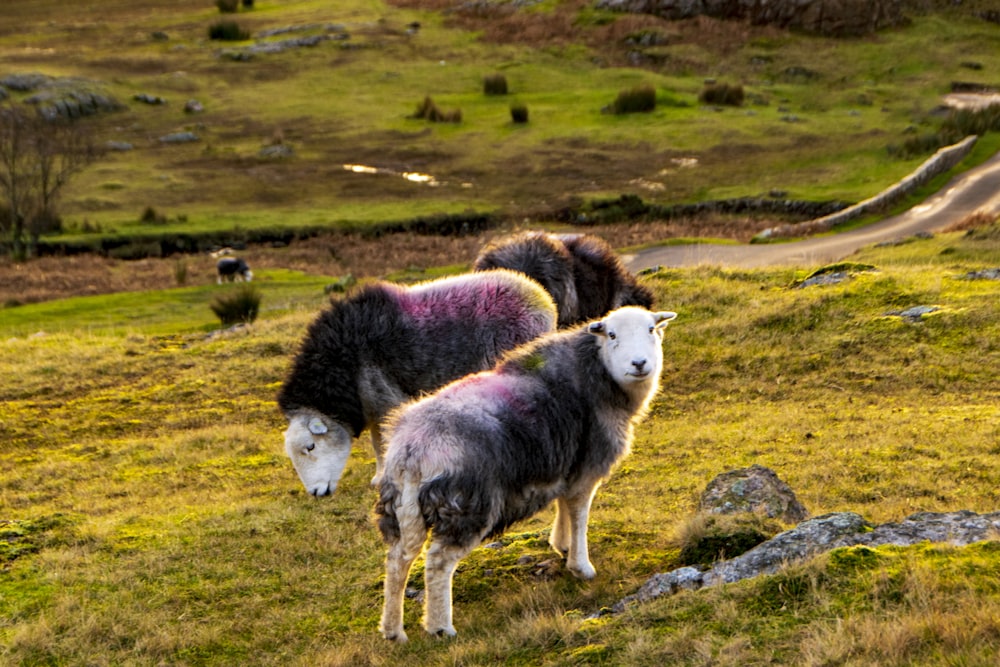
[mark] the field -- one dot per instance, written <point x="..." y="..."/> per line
<point x="148" y="514"/>
<point x="151" y="517"/>
<point x="818" y="118"/>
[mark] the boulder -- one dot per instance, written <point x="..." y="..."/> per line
<point x="756" y="490"/>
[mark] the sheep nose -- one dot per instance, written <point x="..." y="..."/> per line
<point x="639" y="364"/>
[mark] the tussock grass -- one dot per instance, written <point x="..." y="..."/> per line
<point x="158" y="520"/>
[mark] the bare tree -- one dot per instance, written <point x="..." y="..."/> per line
<point x="38" y="157"/>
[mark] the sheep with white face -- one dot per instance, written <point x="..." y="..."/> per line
<point x="547" y="424"/>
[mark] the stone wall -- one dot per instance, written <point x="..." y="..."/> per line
<point x="943" y="160"/>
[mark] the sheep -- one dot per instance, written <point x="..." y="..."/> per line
<point x="387" y="343"/>
<point x="548" y="423"/>
<point x="582" y="272"/>
<point x="233" y="268"/>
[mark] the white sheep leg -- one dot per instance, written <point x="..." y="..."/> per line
<point x="578" y="506"/>
<point x="397" y="570"/>
<point x="559" y="538"/>
<point x="439" y="571"/>
<point x="378" y="446"/>
<point x="399" y="560"/>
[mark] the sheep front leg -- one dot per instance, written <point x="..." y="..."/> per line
<point x="559" y="538"/>
<point x="578" y="506"/>
<point x="439" y="572"/>
<point x="379" y="456"/>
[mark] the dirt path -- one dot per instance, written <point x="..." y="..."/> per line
<point x="975" y="190"/>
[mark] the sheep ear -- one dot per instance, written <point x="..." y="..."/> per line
<point x="661" y="318"/>
<point x="596" y="328"/>
<point x="316" y="426"/>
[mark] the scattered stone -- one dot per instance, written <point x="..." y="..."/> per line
<point x="915" y="313"/>
<point x="193" y="106"/>
<point x="71" y="98"/>
<point x="122" y="146"/>
<point x="277" y="152"/>
<point x="24" y="83"/>
<point x="146" y="98"/>
<point x="985" y="274"/>
<point x="179" y="138"/>
<point x="825" y="279"/>
<point x="754" y="489"/>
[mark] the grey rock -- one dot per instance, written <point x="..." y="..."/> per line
<point x="193" y="106"/>
<point x="277" y="152"/>
<point x="840" y="18"/>
<point x="958" y="528"/>
<point x="831" y="278"/>
<point x="815" y="536"/>
<point x="809" y="538"/>
<point x="754" y="489"/>
<point x="179" y="138"/>
<point x="985" y="274"/>
<point x="146" y="98"/>
<point x="914" y="313"/>
<point x="25" y="82"/>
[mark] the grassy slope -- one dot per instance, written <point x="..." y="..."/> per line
<point x="337" y="106"/>
<point x="148" y="514"/>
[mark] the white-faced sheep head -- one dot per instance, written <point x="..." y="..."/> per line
<point x="631" y="341"/>
<point x="319" y="448"/>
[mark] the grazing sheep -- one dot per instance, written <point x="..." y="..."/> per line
<point x="548" y="423"/>
<point x="233" y="268"/>
<point x="388" y="343"/>
<point x="582" y="272"/>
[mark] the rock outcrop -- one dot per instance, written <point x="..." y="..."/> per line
<point x="838" y="18"/>
<point x="811" y="538"/>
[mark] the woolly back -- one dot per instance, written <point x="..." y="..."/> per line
<point x="415" y="339"/>
<point x="602" y="281"/>
<point x="541" y="257"/>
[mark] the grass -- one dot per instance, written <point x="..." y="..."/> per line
<point x="337" y="105"/>
<point x="148" y="514"/>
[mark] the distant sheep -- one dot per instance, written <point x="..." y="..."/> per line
<point x="582" y="272"/>
<point x="233" y="268"/>
<point x="388" y="343"/>
<point x="548" y="423"/>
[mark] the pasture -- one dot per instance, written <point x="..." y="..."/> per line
<point x="149" y="515"/>
<point x="817" y="122"/>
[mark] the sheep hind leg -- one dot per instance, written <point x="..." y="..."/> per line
<point x="399" y="560"/>
<point x="397" y="570"/>
<point x="578" y="506"/>
<point x="439" y="572"/>
<point x="559" y="538"/>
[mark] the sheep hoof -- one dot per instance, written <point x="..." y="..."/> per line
<point x="585" y="571"/>
<point x="443" y="632"/>
<point x="398" y="637"/>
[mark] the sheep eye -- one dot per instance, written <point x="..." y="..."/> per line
<point x="652" y="329"/>
<point x="611" y="335"/>
<point x="311" y="446"/>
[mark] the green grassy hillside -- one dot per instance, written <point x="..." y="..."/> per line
<point x="148" y="514"/>
<point x="817" y="121"/>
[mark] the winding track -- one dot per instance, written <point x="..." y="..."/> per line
<point x="975" y="190"/>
